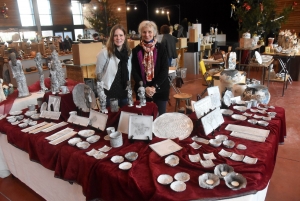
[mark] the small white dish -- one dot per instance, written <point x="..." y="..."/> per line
<point x="35" y="116"/>
<point x="195" y="145"/>
<point x="164" y="179"/>
<point x="262" y="111"/>
<point x="131" y="156"/>
<point x="257" y="116"/>
<point x="11" y="120"/>
<point x="226" y="112"/>
<point x="240" y="102"/>
<point x="253" y="110"/>
<point x="178" y="186"/>
<point x="23" y="125"/>
<point x="172" y="160"/>
<point x="215" y="142"/>
<point x="10" y="117"/>
<point x="228" y="143"/>
<point x="222" y="170"/>
<point x="125" y="166"/>
<point x="74" y="141"/>
<point x="240" y="108"/>
<point x="86" y="133"/>
<point x="195" y="158"/>
<point x="32" y="123"/>
<point x="89" y="153"/>
<point x="267" y="118"/>
<point x="105" y="148"/>
<point x="221" y="137"/>
<point x="252" y="121"/>
<point x="263" y="123"/>
<point x="117" y="159"/>
<point x="182" y="176"/>
<point x="15" y="112"/>
<point x="100" y="155"/>
<point x="30" y="113"/>
<point x="238" y="117"/>
<point x="241" y="147"/>
<point x="93" y="139"/>
<point x="20" y="117"/>
<point x="15" y="123"/>
<point x="272" y="114"/>
<point x="235" y="181"/>
<point x="208" y="180"/>
<point x="83" y="145"/>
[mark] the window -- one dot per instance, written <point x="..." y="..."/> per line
<point x="77" y="13"/>
<point x="45" y="12"/>
<point x="26" y="13"/>
<point x="46" y="33"/>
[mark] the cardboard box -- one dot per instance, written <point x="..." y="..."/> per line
<point x="182" y="43"/>
<point x="193" y="35"/>
<point x="85" y="53"/>
<point x="246" y="42"/>
<point x="133" y="43"/>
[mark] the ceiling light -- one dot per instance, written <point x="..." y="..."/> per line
<point x="135" y="7"/>
<point x="94" y="7"/>
<point x="162" y="11"/>
<point x="167" y="12"/>
<point x="119" y="8"/>
<point x="128" y="8"/>
<point x="157" y="11"/>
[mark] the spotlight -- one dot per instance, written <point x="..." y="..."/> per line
<point x="119" y="8"/>
<point x="94" y="7"/>
<point x="135" y="7"/>
<point x="162" y="11"/>
<point x="128" y="8"/>
<point x="157" y="11"/>
<point x="167" y="12"/>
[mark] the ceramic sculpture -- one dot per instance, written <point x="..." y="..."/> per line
<point x="10" y="89"/>
<point x="129" y="94"/>
<point x="18" y="74"/>
<point x="83" y="97"/>
<point x="102" y="96"/>
<point x="2" y="95"/>
<point x="232" y="60"/>
<point x="229" y="77"/>
<point x="57" y="74"/>
<point x="141" y="93"/>
<point x="257" y="92"/>
<point x="39" y="65"/>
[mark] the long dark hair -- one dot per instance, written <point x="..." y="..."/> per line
<point x="110" y="42"/>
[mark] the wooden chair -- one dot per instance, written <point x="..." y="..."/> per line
<point x="206" y="76"/>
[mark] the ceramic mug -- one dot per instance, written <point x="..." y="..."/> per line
<point x="39" y="102"/>
<point x="116" y="139"/>
<point x="64" y="89"/>
<point x="110" y="130"/>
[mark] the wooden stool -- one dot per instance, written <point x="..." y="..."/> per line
<point x="182" y="96"/>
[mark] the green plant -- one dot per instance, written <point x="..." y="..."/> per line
<point x="102" y="19"/>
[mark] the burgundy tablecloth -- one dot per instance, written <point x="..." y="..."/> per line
<point x="103" y="179"/>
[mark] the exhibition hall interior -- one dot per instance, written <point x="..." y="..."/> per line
<point x="149" y="100"/>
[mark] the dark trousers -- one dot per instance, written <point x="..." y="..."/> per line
<point x="162" y="106"/>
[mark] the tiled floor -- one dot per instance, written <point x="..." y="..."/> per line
<point x="285" y="182"/>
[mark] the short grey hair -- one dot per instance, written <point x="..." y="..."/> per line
<point x="149" y="24"/>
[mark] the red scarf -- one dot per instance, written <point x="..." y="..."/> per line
<point x="148" y="61"/>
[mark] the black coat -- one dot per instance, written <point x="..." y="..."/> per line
<point x="169" y="42"/>
<point x="161" y="72"/>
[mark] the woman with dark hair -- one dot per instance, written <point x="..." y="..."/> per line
<point x="113" y="65"/>
<point x="169" y="42"/>
<point x="150" y="66"/>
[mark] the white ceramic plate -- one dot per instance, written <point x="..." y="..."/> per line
<point x="131" y="156"/>
<point x="240" y="108"/>
<point x="105" y="148"/>
<point x="172" y="125"/>
<point x="263" y="123"/>
<point x="172" y="160"/>
<point x="252" y="121"/>
<point x="221" y="137"/>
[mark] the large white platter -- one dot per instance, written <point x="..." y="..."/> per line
<point x="172" y="125"/>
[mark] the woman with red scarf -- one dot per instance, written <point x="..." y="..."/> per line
<point x="150" y="65"/>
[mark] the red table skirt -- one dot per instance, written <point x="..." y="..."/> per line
<point x="104" y="180"/>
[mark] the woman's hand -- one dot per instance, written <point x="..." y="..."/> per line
<point x="150" y="91"/>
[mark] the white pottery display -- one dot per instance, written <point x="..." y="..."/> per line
<point x="208" y="180"/>
<point x="235" y="181"/>
<point x="222" y="170"/>
<point x="164" y="179"/>
<point x="246" y="35"/>
<point x="83" y="97"/>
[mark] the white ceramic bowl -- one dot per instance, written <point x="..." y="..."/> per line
<point x="164" y="179"/>
<point x="172" y="160"/>
<point x="131" y="156"/>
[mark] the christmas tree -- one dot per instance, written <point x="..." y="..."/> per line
<point x="259" y="16"/>
<point x="102" y="19"/>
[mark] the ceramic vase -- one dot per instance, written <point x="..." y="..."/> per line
<point x="257" y="92"/>
<point x="229" y="77"/>
<point x="238" y="89"/>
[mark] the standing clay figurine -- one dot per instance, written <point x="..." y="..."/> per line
<point x="129" y="94"/>
<point x="2" y="95"/>
<point x="57" y="74"/>
<point x="10" y="88"/>
<point x="38" y="61"/>
<point x="232" y="60"/>
<point x="141" y="94"/>
<point x="102" y="96"/>
<point x="18" y="74"/>
<point x="87" y="96"/>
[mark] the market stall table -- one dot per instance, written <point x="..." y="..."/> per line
<point x="100" y="178"/>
